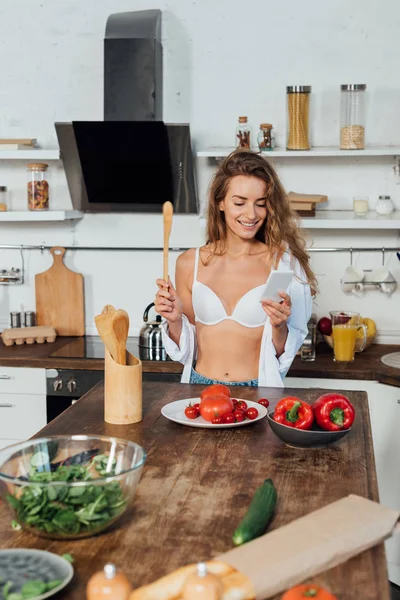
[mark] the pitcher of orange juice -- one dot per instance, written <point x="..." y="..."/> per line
<point x="345" y="325"/>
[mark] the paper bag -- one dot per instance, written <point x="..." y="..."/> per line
<point x="312" y="544"/>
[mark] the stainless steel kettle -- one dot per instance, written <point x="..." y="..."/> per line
<point x="150" y="341"/>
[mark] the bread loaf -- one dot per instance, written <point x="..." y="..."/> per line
<point x="236" y="585"/>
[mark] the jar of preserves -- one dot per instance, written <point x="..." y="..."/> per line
<point x="265" y="139"/>
<point x="298" y="117"/>
<point x="38" y="187"/>
<point x="352" y="116"/>
<point x="243" y="133"/>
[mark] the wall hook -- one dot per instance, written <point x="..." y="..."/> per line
<point x="351" y="256"/>
<point x="383" y="257"/>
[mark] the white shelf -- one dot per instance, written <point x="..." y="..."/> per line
<point x="45" y="215"/>
<point x="313" y="153"/>
<point x="346" y="219"/>
<point x="29" y="154"/>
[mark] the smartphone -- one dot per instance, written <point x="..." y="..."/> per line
<point x="278" y="281"/>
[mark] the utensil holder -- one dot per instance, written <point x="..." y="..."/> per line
<point x="122" y="390"/>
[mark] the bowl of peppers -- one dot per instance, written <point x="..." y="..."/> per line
<point x="304" y="425"/>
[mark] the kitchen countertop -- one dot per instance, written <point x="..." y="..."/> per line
<point x="367" y="365"/>
<point x="197" y="484"/>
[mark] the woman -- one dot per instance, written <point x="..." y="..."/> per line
<point x="214" y="321"/>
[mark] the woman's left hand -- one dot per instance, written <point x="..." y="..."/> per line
<point x="278" y="312"/>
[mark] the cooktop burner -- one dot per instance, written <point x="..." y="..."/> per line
<point x="91" y="347"/>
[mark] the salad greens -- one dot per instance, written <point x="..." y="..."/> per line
<point x="30" y="589"/>
<point x="68" y="510"/>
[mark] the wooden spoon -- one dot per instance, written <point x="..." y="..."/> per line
<point x="120" y="328"/>
<point x="167" y="216"/>
<point x="103" y="324"/>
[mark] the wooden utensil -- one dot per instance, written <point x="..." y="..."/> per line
<point x="120" y="327"/>
<point x="59" y="297"/>
<point x="167" y="216"/>
<point x="106" y="332"/>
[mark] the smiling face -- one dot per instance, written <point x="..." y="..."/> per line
<point x="244" y="206"/>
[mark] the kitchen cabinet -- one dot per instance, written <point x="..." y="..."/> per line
<point x="384" y="408"/>
<point x="22" y="403"/>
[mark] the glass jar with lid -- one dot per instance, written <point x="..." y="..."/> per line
<point x="265" y="138"/>
<point x="38" y="187"/>
<point x="352" y="116"/>
<point x="243" y="134"/>
<point x="298" y="117"/>
<point x="3" y="198"/>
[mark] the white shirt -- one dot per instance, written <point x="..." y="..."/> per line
<point x="271" y="369"/>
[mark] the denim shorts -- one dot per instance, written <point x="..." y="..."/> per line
<point x="195" y="377"/>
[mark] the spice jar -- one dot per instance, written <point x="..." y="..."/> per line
<point x="3" y="198"/>
<point x="352" y="116"/>
<point x="38" y="187"/>
<point x="265" y="139"/>
<point x="298" y="117"/>
<point x="243" y="133"/>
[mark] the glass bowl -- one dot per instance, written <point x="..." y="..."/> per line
<point x="66" y="487"/>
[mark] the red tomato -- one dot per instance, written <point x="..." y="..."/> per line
<point x="215" y="406"/>
<point x="242" y="404"/>
<point x="215" y="390"/>
<point x="251" y="413"/>
<point x="191" y="412"/>
<point x="263" y="402"/>
<point x="197" y="406"/>
<point x="217" y="421"/>
<point x="239" y="415"/>
<point x="228" y="418"/>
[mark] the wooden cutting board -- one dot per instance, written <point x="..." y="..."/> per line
<point x="59" y="297"/>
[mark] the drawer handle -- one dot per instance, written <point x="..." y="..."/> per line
<point x="5" y="377"/>
<point x="6" y="405"/>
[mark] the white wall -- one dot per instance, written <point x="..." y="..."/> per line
<point x="221" y="59"/>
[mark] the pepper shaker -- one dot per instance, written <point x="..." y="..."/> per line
<point x="108" y="584"/>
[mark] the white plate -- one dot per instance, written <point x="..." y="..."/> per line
<point x="175" y="411"/>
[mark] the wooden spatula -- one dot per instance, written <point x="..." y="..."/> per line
<point x="106" y="332"/>
<point x="120" y="327"/>
<point x="167" y="216"/>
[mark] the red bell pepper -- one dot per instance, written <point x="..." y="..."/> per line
<point x="334" y="412"/>
<point x="293" y="412"/>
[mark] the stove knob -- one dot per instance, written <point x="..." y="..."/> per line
<point x="71" y="385"/>
<point x="57" y="384"/>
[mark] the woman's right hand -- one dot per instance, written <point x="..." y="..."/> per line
<point x="167" y="303"/>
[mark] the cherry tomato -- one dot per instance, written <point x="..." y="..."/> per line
<point x="239" y="416"/>
<point x="217" y="421"/>
<point x="263" y="402"/>
<point x="228" y="418"/>
<point x="241" y="404"/>
<point x="191" y="412"/>
<point x="234" y="402"/>
<point x="215" y="389"/>
<point x="252" y="413"/>
<point x="215" y="406"/>
<point x="197" y="406"/>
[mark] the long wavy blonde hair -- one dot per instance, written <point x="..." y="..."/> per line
<point x="280" y="229"/>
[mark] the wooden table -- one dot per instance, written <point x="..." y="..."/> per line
<point x="197" y="484"/>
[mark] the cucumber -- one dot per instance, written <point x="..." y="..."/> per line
<point x="258" y="514"/>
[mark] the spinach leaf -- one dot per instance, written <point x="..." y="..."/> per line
<point x="68" y="510"/>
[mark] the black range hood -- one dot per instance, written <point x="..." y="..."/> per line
<point x="132" y="161"/>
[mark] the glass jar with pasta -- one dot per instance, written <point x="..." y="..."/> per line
<point x="298" y="117"/>
<point x="38" y="187"/>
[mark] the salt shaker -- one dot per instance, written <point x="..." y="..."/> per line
<point x="202" y="585"/>
<point x="384" y="205"/>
